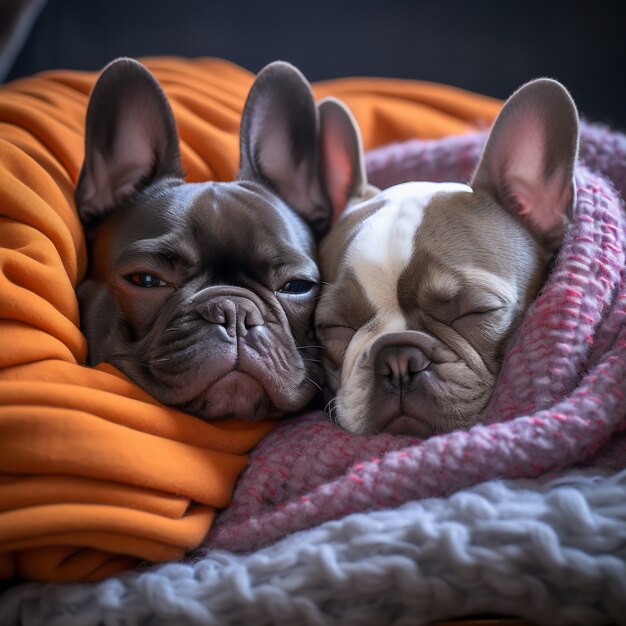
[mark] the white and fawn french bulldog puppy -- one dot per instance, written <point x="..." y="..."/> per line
<point x="425" y="283"/>
<point x="203" y="294"/>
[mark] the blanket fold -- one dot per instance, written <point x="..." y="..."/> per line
<point x="94" y="473"/>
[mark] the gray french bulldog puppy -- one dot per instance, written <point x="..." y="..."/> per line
<point x="425" y="283"/>
<point x="203" y="293"/>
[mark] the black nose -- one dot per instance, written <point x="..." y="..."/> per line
<point x="236" y="315"/>
<point x="399" y="366"/>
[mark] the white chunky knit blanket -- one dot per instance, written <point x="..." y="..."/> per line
<point x="552" y="550"/>
<point x="395" y="530"/>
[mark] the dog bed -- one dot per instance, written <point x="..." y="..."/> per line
<point x="523" y="515"/>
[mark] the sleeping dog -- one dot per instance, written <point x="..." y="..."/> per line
<point x="426" y="283"/>
<point x="203" y="294"/>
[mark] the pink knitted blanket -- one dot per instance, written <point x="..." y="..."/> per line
<point x="559" y="401"/>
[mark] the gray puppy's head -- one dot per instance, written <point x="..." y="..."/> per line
<point x="425" y="283"/>
<point x="203" y="293"/>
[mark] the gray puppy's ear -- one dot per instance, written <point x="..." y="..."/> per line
<point x="342" y="162"/>
<point x="130" y="139"/>
<point x="279" y="142"/>
<point x="528" y="161"/>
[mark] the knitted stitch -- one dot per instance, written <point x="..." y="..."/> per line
<point x="560" y="395"/>
<point x="552" y="550"/>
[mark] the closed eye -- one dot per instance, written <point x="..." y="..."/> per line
<point x="476" y="314"/>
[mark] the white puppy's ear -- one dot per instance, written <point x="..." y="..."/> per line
<point x="528" y="161"/>
<point x="342" y="163"/>
<point x="130" y="139"/>
<point x="279" y="141"/>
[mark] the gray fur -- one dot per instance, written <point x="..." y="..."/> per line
<point x="218" y="335"/>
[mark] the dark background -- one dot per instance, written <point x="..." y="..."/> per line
<point x="486" y="46"/>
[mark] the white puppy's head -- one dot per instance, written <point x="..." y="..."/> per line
<point x="426" y="282"/>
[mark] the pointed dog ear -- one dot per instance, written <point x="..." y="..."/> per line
<point x="130" y="140"/>
<point x="528" y="161"/>
<point x="342" y="162"/>
<point x="279" y="142"/>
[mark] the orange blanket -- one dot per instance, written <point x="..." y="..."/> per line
<point x="95" y="475"/>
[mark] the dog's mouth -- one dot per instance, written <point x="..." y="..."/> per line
<point x="235" y="395"/>
<point x="243" y="391"/>
<point x="430" y="409"/>
<point x="406" y="425"/>
<point x="238" y="381"/>
<point x="420" y="417"/>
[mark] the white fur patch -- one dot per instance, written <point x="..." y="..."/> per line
<point x="384" y="245"/>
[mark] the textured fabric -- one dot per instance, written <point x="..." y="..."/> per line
<point x="559" y="398"/>
<point x="93" y="472"/>
<point x="551" y="550"/>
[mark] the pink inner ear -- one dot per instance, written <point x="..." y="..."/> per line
<point x="337" y="173"/>
<point x="546" y="205"/>
<point x="337" y="165"/>
<point x="517" y="165"/>
<point x="115" y="177"/>
<point x="272" y="150"/>
<point x="274" y="155"/>
<point x="270" y="145"/>
<point x="115" y="180"/>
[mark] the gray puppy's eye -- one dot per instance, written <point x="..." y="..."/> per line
<point x="145" y="280"/>
<point x="297" y="287"/>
